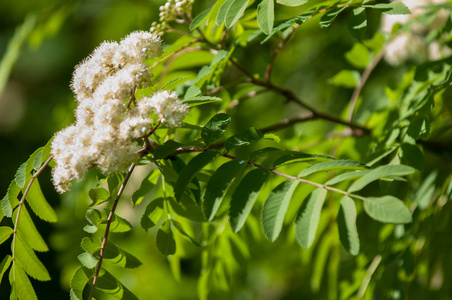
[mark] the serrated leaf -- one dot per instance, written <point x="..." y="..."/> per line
<point x="162" y="151"/>
<point x="22" y="285"/>
<point x="4" y="265"/>
<point x="45" y="154"/>
<point x="275" y="208"/>
<point x="199" y="19"/>
<point x="28" y="232"/>
<point x="357" y="23"/>
<point x="333" y="165"/>
<point x="328" y="17"/>
<point x="244" y="196"/>
<point x="29" y="261"/>
<point x="308" y="217"/>
<point x="215" y="128"/>
<point x="12" y="194"/>
<point x="20" y="175"/>
<point x="39" y="204"/>
<point x="79" y="281"/>
<point x="300" y="157"/>
<point x="346" y="78"/>
<point x="393" y="8"/>
<point x="358" y="56"/>
<point x="291" y="2"/>
<point x="218" y="184"/>
<point x="153" y="213"/>
<point x="199" y="100"/>
<point x="119" y="224"/>
<point x="235" y="11"/>
<point x="221" y="16"/>
<point x="37" y="160"/>
<point x="203" y="75"/>
<point x="266" y="15"/>
<point x="346" y="220"/>
<point x="387" y="209"/>
<point x="192" y="91"/>
<point x="5" y="233"/>
<point x="380" y="172"/>
<point x="246" y="137"/>
<point x="189" y="171"/>
<point x="98" y="195"/>
<point x="87" y="260"/>
<point x="99" y="218"/>
<point x="165" y="240"/>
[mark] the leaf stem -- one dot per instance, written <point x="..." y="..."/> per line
<point x="21" y="203"/>
<point x="107" y="228"/>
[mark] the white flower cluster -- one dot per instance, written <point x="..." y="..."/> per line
<point x="171" y="11"/>
<point x="413" y="44"/>
<point x="109" y="119"/>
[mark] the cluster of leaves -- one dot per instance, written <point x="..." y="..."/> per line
<point x="208" y="200"/>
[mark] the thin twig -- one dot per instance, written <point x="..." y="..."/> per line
<point x="21" y="203"/>
<point x="107" y="229"/>
<point x="359" y="87"/>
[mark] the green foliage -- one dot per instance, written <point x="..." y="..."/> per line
<point x="228" y="195"/>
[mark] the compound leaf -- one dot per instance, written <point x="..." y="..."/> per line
<point x="215" y="128"/>
<point x="348" y="232"/>
<point x="387" y="209"/>
<point x="380" y="172"/>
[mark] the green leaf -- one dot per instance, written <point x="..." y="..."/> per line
<point x="79" y="281"/>
<point x="199" y="100"/>
<point x="28" y="232"/>
<point x="165" y="240"/>
<point x="199" y="19"/>
<point x="346" y="220"/>
<point x="203" y="75"/>
<point x="192" y="91"/>
<point x="88" y="260"/>
<point x="146" y="186"/>
<point x="412" y="156"/>
<point x="346" y="176"/>
<point x="22" y="285"/>
<point x="166" y="149"/>
<point x="215" y="128"/>
<point x="182" y="231"/>
<point x="275" y="208"/>
<point x="346" y="78"/>
<point x="328" y="18"/>
<point x="5" y="233"/>
<point x="98" y="195"/>
<point x="99" y="218"/>
<point x="20" y="175"/>
<point x="221" y="17"/>
<point x="246" y="137"/>
<point x="189" y="171"/>
<point x="291" y="2"/>
<point x="380" y="172"/>
<point x="333" y="165"/>
<point x="387" y="209"/>
<point x="217" y="186"/>
<point x="299" y="157"/>
<point x="108" y="284"/>
<point x="235" y="11"/>
<point x="245" y="195"/>
<point x="393" y="8"/>
<point x="39" y="204"/>
<point x="266" y="15"/>
<point x="45" y="154"/>
<point x="29" y="261"/>
<point x="358" y="56"/>
<point x="4" y="265"/>
<point x="119" y="257"/>
<point x="308" y="217"/>
<point x="357" y="23"/>
<point x="153" y="213"/>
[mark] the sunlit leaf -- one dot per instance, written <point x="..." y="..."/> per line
<point x="4" y="265"/>
<point x="380" y="172"/>
<point x="308" y="217"/>
<point x="29" y="261"/>
<point x="28" y="232"/>
<point x="346" y="78"/>
<point x="346" y="176"/>
<point x="246" y="137"/>
<point x="387" y="209"/>
<point x="5" y="233"/>
<point x="98" y="195"/>
<point x="215" y="128"/>
<point x="222" y="12"/>
<point x="291" y="2"/>
<point x="357" y="23"/>
<point x="245" y="195"/>
<point x="108" y="284"/>
<point x="153" y="213"/>
<point x="39" y="204"/>
<point x="235" y="11"/>
<point x="162" y="151"/>
<point x="275" y="208"/>
<point x="328" y="17"/>
<point x="333" y="165"/>
<point x="22" y="285"/>
<point x="79" y="281"/>
<point x="266" y="15"/>
<point x="393" y="8"/>
<point x="88" y="260"/>
<point x="300" y="157"/>
<point x="358" y="56"/>
<point x="199" y="19"/>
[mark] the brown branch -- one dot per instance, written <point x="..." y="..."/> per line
<point x="288" y="122"/>
<point x="107" y="229"/>
<point x="359" y="87"/>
